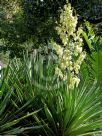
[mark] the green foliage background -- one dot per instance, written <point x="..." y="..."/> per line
<point x="33" y="22"/>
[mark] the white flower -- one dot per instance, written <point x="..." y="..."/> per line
<point x="65" y="43"/>
<point x="58" y="72"/>
<point x="76" y="68"/>
<point x="79" y="49"/>
<point x="63" y="66"/>
<point x="79" y="32"/>
<point x="82" y="56"/>
<point x="64" y="78"/>
<point x="76" y="80"/>
<point x="59" y="51"/>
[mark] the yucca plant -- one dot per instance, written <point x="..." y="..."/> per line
<point x="17" y="100"/>
<point x="22" y="86"/>
<point x="73" y="112"/>
<point x="25" y="89"/>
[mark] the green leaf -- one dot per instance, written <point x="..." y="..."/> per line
<point x="87" y="40"/>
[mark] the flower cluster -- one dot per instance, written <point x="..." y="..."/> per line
<point x="70" y="54"/>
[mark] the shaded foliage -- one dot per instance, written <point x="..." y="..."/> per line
<point x="33" y="22"/>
